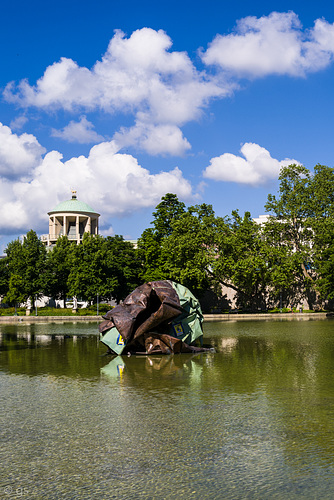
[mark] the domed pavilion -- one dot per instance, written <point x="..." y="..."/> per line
<point x="72" y="218"/>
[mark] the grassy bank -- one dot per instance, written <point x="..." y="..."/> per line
<point x="54" y="311"/>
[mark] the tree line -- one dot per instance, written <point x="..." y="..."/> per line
<point x="104" y="267"/>
<point x="285" y="260"/>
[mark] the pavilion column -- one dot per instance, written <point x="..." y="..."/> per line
<point x="51" y="226"/>
<point x="64" y="225"/>
<point x="89" y="225"/>
<point x="77" y="229"/>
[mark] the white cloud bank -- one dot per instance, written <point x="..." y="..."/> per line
<point x="113" y="184"/>
<point x="138" y="75"/>
<point x="274" y="44"/>
<point x="162" y="89"/>
<point x="255" y="168"/>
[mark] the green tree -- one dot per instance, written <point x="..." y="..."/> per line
<point x="16" y="290"/>
<point x="149" y="251"/>
<point x="243" y="261"/>
<point x="322" y="224"/>
<point x="58" y="269"/>
<point x="189" y="251"/>
<point x="105" y="267"/>
<point x="290" y="230"/>
<point x="322" y="193"/>
<point x="26" y="266"/>
<point x="122" y="267"/>
<point x="203" y="251"/>
<point x="167" y="212"/>
<point x="4" y="276"/>
<point x="286" y="284"/>
<point x="302" y="228"/>
<point x="86" y="277"/>
<point x="15" y="267"/>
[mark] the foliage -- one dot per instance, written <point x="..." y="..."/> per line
<point x="189" y="251"/>
<point x="58" y="268"/>
<point x="203" y="251"/>
<point x="122" y="268"/>
<point x="104" y="267"/>
<point x="301" y="231"/>
<point x="291" y="217"/>
<point x="167" y="212"/>
<point x="103" y="308"/>
<point x="323" y="229"/>
<point x="84" y="311"/>
<point x="4" y="276"/>
<point x="56" y="311"/>
<point x="180" y="246"/>
<point x="243" y="261"/>
<point x="86" y="277"/>
<point x="26" y="266"/>
<point x="149" y="251"/>
<point x="324" y="258"/>
<point x="11" y="311"/>
<point x="287" y="259"/>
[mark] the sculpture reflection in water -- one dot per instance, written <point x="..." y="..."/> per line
<point x="159" y="317"/>
<point x="139" y="371"/>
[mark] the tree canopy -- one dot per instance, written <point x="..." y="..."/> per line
<point x="302" y="227"/>
<point x="287" y="259"/>
<point x="26" y="268"/>
<point x="105" y="267"/>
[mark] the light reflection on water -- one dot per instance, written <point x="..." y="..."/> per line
<point x="254" y="420"/>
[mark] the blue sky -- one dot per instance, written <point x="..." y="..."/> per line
<point x="127" y="101"/>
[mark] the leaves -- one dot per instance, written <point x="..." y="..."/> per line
<point x="243" y="261"/>
<point x="187" y="253"/>
<point x="302" y="229"/>
<point x="107" y="267"/>
<point x="26" y="265"/>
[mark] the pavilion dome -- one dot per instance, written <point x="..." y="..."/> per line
<point x="73" y="206"/>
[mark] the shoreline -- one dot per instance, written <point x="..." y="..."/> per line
<point x="49" y="319"/>
<point x="207" y="317"/>
<point x="264" y="316"/>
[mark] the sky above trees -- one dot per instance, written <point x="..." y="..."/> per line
<point x="126" y="102"/>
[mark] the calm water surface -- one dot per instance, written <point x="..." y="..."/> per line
<point x="252" y="421"/>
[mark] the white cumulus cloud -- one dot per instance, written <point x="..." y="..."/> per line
<point x="18" y="153"/>
<point x="274" y="44"/>
<point x="162" y="90"/>
<point x="81" y="132"/>
<point x="256" y="167"/>
<point x="139" y="75"/>
<point x="155" y="139"/>
<point x="114" y="184"/>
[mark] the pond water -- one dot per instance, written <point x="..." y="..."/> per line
<point x="252" y="421"/>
